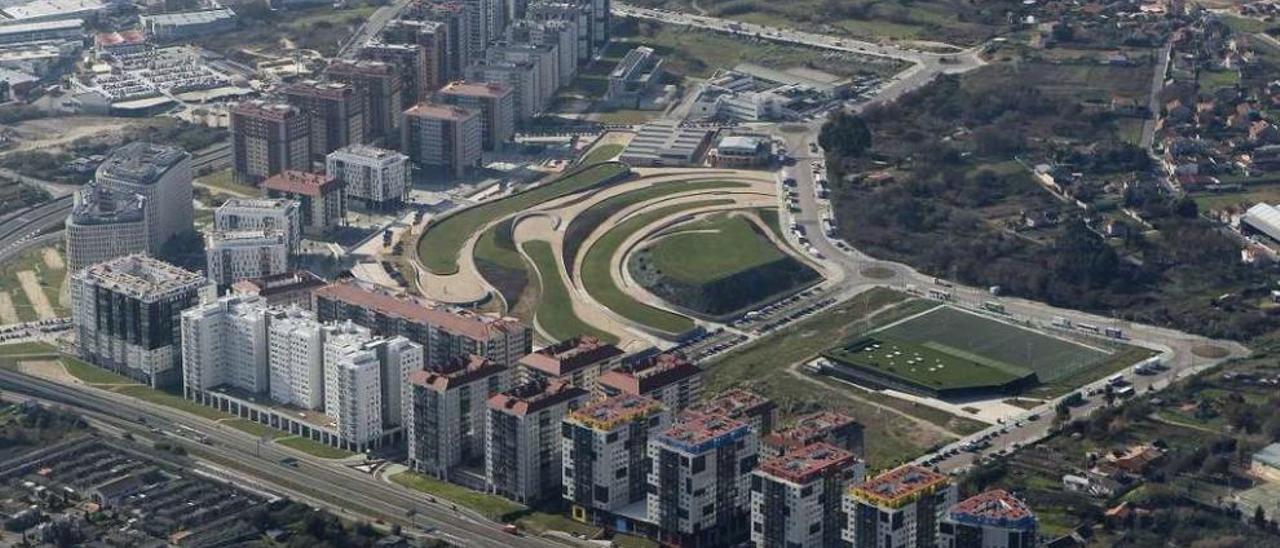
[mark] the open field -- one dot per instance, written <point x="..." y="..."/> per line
<point x="596" y="265"/>
<point x="440" y="245"/>
<point x="602" y="153"/>
<point x="313" y="448"/>
<point x="962" y="333"/>
<point x="712" y="249"/>
<point x="32" y="285"/>
<point x="926" y="364"/>
<point x="555" y="313"/>
<point x="223" y="182"/>
<point x="491" y="506"/>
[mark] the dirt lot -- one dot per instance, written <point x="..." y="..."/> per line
<point x="48" y="369"/>
<point x="35" y="294"/>
<point x="8" y="314"/>
<point x="53" y="259"/>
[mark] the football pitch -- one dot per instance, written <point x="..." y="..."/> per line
<point x="964" y="334"/>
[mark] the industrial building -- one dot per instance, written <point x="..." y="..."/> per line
<point x="667" y="143"/>
<point x="165" y="27"/>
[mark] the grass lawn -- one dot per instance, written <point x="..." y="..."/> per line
<point x="92" y="374"/>
<point x="1250" y="195"/>
<point x="439" y="247"/>
<point x="1245" y="24"/>
<point x="540" y="522"/>
<point x="491" y="506"/>
<point x="166" y="399"/>
<point x="602" y="153"/>
<point x="224" y="181"/>
<point x="555" y="309"/>
<point x="712" y="249"/>
<point x="50" y="282"/>
<point x="1213" y="79"/>
<point x="770" y="217"/>
<point x="27" y="348"/>
<point x="962" y="333"/>
<point x="314" y="448"/>
<point x="598" y="282"/>
<point x="259" y="430"/>
<point x="924" y="365"/>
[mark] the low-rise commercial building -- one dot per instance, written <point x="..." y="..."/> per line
<point x="636" y="75"/>
<point x="740" y="151"/>
<point x="667" y="143"/>
<point x="523" y="456"/>
<point x="796" y="499"/>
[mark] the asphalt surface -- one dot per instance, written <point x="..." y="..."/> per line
<point x="18" y="229"/>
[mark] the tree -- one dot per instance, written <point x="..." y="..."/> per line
<point x="845" y="134"/>
<point x="1259" y="518"/>
<point x="1186" y="207"/>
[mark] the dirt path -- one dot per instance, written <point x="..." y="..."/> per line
<point x="8" y="314"/>
<point x="35" y="294"/>
<point x="48" y="369"/>
<point x="53" y="259"/>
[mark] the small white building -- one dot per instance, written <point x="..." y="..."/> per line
<point x="261" y="214"/>
<point x="235" y="255"/>
<point x="375" y="178"/>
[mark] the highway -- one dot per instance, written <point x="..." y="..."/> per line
<point x="19" y="228"/>
<point x="314" y="476"/>
<point x="371" y="28"/>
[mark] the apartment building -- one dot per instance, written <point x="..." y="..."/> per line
<point x="573" y="13"/>
<point x="577" y="361"/>
<point x="104" y="225"/>
<point x="379" y="87"/>
<point x="523" y="457"/>
<point x="224" y="344"/>
<point x="445" y="422"/>
<point x="376" y="179"/>
<point x="322" y="200"/>
<point x="334" y="110"/>
<point x="282" y="290"/>
<point x="441" y="138"/>
<point x="993" y="519"/>
<point x="126" y="316"/>
<point x="562" y="35"/>
<point x="668" y="378"/>
<point x="496" y="103"/>
<point x="544" y="59"/>
<point x="445" y="333"/>
<point x="825" y="426"/>
<point x="295" y="359"/>
<point x="796" y="499"/>
<point x="161" y="174"/>
<point x="699" y="480"/>
<point x="270" y="214"/>
<point x="410" y="60"/>
<point x="901" y="508"/>
<point x="606" y="454"/>
<point x="457" y="19"/>
<point x="268" y="138"/>
<point x="432" y="37"/>
<point x="522" y="77"/>
<point x="352" y="385"/>
<point x="758" y="411"/>
<point x="235" y="255"/>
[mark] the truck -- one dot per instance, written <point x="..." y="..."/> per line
<point x="1114" y="333"/>
<point x="1148" y="366"/>
<point x="939" y="294"/>
<point x="993" y="306"/>
<point x="1126" y="392"/>
<point x="1059" y="321"/>
<point x="1087" y="327"/>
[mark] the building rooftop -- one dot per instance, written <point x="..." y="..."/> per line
<point x="741" y="143"/>
<point x="808" y="429"/>
<point x="258" y="203"/>
<point x="22" y="28"/>
<point x="53" y="9"/>
<point x="808" y="463"/>
<point x="1269" y="455"/>
<point x="995" y="508"/>
<point x="279" y="283"/>
<point x="198" y="17"/>
<point x="369" y="151"/>
<point x="301" y="182"/>
<point x="318" y="89"/>
<point x="437" y="111"/>
<point x="224" y="239"/>
<point x="142" y="277"/>
<point x="364" y="67"/>
<point x="265" y="110"/>
<point x="535" y="396"/>
<point x="420" y="311"/>
<point x="665" y="139"/>
<point x="650" y="374"/>
<point x="95" y="204"/>
<point x="568" y="356"/>
<point x="696" y="433"/>
<point x="605" y="415"/>
<point x="122" y="38"/>
<point x="462" y="370"/>
<point x="735" y="404"/>
<point x="141" y="162"/>
<point x="899" y="486"/>
<point x="491" y="90"/>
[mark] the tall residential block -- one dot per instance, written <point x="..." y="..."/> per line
<point x="561" y="35"/>
<point x="295" y="359"/>
<point x="606" y="453"/>
<point x="126" y="315"/>
<point x="334" y="110"/>
<point x="275" y="214"/>
<point x="161" y="174"/>
<point x="322" y="200"/>
<point x="523" y="455"/>
<point x="699" y="480"/>
<point x="267" y="139"/>
<point x="376" y="179"/>
<point x="433" y="38"/>
<point x="445" y="333"/>
<point x="496" y="103"/>
<point x="572" y="13"/>
<point x="901" y="508"/>
<point x="224" y="344"/>
<point x="442" y="138"/>
<point x="352" y="381"/>
<point x="410" y="60"/>
<point x="457" y="18"/>
<point x="668" y="378"/>
<point x="235" y="255"/>
<point x="445" y="422"/>
<point x="379" y="87"/>
<point x="796" y="499"/>
<point x="993" y="519"/>
<point x="105" y="224"/>
<point x="578" y="361"/>
<point x="758" y="411"/>
<point x="828" y="426"/>
<point x="521" y="76"/>
<point x="544" y="59"/>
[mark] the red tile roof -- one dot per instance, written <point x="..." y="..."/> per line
<point x="568" y="356"/>
<point x="650" y="374"/>
<point x="804" y="465"/>
<point x="808" y="429"/>
<point x="488" y="90"/>
<point x="459" y="322"/>
<point x="301" y="182"/>
<point x="464" y="370"/>
<point x="736" y="403"/>
<point x="438" y="111"/>
<point x="533" y="397"/>
<point x="606" y="414"/>
<point x="996" y="504"/>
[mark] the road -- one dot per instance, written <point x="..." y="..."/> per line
<point x="330" y="479"/>
<point x="18" y="229"/>
<point x="371" y="28"/>
<point x="1153" y="101"/>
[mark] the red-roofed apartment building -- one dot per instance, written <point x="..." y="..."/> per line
<point x="445" y="333"/>
<point x="523" y="457"/>
<point x="446" y="420"/>
<point x="796" y="499"/>
<point x="994" y="519"/>
<point x="322" y="199"/>
<point x="578" y="361"/>
<point x="268" y="138"/>
<point x="899" y="508"/>
<point x="834" y="428"/>
<point x="667" y="378"/>
<point x="442" y="138"/>
<point x="743" y="405"/>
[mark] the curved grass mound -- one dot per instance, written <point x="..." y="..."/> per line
<point x="591" y="218"/>
<point x="555" y="313"/>
<point x="599" y="284"/>
<point x="439" y="247"/>
<point x="717" y="266"/>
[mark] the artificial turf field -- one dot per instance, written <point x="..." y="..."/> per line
<point x="965" y="334"/>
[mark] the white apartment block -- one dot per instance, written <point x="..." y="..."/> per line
<point x="375" y="178"/>
<point x="224" y="343"/>
<point x="446" y="413"/>
<point x="235" y="255"/>
<point x="523" y="456"/>
<point x="796" y="499"/>
<point x="606" y="452"/>
<point x="699" y="482"/>
<point x="261" y="214"/>
<point x="901" y="508"/>
<point x="296" y="358"/>
<point x="353" y="385"/>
